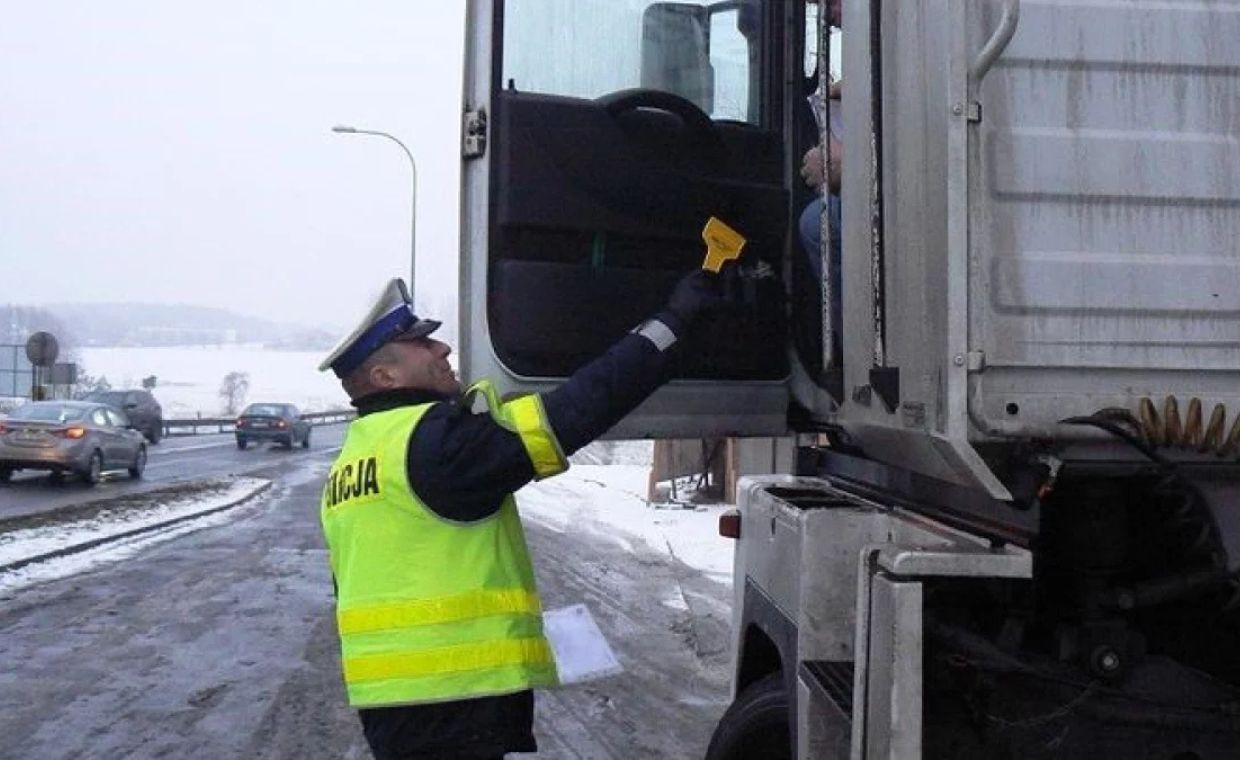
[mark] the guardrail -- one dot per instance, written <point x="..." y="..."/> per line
<point x="207" y="425"/>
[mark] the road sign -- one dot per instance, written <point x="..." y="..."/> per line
<point x="63" y="374"/>
<point x="15" y="371"/>
<point x="41" y="349"/>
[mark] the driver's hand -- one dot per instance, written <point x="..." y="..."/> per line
<point x="837" y="166"/>
<point x="811" y="167"/>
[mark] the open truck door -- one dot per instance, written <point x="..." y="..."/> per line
<point x="599" y="137"/>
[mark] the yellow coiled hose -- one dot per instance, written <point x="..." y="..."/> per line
<point x="1167" y="428"/>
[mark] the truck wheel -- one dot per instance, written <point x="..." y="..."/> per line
<point x="157" y="432"/>
<point x="755" y="725"/>
<point x="305" y="442"/>
<point x="6" y="474"/>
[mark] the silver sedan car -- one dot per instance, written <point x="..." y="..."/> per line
<point x="70" y="436"/>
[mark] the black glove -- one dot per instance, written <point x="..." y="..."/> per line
<point x="698" y="292"/>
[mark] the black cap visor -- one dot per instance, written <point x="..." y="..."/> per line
<point x="419" y="329"/>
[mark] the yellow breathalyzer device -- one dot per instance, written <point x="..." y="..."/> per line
<point x="723" y="244"/>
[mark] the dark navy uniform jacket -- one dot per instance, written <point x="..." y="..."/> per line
<point x="462" y="465"/>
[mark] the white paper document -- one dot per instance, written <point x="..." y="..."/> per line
<point x="581" y="652"/>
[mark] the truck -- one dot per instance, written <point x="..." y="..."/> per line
<point x="1006" y="521"/>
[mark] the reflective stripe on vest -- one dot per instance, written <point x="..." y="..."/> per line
<point x="446" y="660"/>
<point x="526" y="417"/>
<point x="428" y="609"/>
<point x="433" y="611"/>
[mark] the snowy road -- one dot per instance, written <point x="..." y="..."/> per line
<point x="220" y="643"/>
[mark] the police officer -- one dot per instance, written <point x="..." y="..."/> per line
<point x="436" y="605"/>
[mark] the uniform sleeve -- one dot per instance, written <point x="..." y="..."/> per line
<point x="462" y="465"/>
<point x="601" y="393"/>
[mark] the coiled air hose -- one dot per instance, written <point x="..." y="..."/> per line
<point x="1167" y="429"/>
<point x="1191" y="518"/>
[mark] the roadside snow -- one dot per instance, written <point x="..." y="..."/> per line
<point x="609" y="500"/>
<point x="19" y="545"/>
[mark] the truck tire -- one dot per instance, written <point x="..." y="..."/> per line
<point x="755" y="725"/>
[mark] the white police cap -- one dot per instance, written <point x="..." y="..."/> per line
<point x="391" y="317"/>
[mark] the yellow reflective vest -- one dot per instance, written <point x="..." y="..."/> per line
<point x="428" y="609"/>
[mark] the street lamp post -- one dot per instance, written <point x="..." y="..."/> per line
<point x="342" y="129"/>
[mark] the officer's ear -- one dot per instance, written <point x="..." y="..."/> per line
<point x="382" y="368"/>
<point x="382" y="376"/>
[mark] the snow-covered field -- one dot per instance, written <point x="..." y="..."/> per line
<point x="189" y="377"/>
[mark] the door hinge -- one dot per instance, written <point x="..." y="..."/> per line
<point x="474" y="129"/>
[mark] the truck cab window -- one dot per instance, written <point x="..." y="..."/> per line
<point x="811" y="45"/>
<point x="707" y="53"/>
<point x="730" y="52"/>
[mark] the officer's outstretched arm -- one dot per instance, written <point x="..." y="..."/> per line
<point x="464" y="465"/>
<point x="602" y="392"/>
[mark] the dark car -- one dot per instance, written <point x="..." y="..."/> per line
<point x="280" y="423"/>
<point x="141" y="407"/>
<point x="70" y="436"/>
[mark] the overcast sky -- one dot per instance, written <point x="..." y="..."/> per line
<point x="171" y="152"/>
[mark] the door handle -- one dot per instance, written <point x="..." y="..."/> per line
<point x="995" y="46"/>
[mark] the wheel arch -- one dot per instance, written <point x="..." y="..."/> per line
<point x="759" y="656"/>
<point x="767" y="642"/>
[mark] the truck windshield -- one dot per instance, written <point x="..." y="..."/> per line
<point x="708" y="53"/>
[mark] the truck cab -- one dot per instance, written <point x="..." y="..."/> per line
<point x="1019" y="539"/>
<point x="600" y="137"/>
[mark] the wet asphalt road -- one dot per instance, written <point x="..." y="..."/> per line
<point x="221" y="644"/>
<point x="170" y="461"/>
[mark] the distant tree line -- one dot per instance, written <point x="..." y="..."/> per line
<point x="180" y="325"/>
<point x="17" y="323"/>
